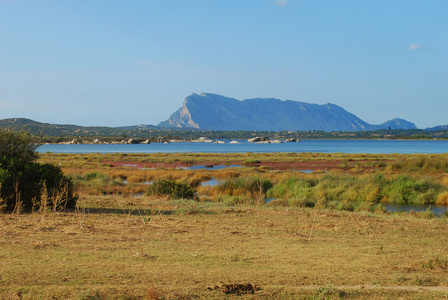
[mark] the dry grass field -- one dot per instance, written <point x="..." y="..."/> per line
<point x="138" y="248"/>
<point x="125" y="246"/>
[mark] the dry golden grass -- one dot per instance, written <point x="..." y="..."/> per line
<point x="139" y="168"/>
<point x="140" y="248"/>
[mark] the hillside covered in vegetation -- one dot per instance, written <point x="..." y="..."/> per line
<point x="56" y="133"/>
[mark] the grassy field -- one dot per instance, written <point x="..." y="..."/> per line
<point x="132" y="246"/>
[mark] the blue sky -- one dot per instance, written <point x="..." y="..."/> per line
<point x="117" y="63"/>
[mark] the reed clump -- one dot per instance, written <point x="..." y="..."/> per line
<point x="252" y="184"/>
<point x="243" y="190"/>
<point x="442" y="199"/>
<point x="420" y="163"/>
<point x="95" y="183"/>
<point x="348" y="192"/>
<point x="95" y="179"/>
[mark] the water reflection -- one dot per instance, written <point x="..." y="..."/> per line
<point x="438" y="210"/>
<point x="212" y="182"/>
<point x="269" y="200"/>
<point x="208" y="167"/>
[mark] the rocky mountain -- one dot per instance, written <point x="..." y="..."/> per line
<point x="216" y="112"/>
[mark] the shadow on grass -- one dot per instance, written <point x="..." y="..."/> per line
<point x="147" y="212"/>
<point x="131" y="211"/>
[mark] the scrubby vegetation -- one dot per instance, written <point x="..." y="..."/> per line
<point x="26" y="184"/>
<point x="172" y="189"/>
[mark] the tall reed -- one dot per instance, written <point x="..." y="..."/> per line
<point x="347" y="192"/>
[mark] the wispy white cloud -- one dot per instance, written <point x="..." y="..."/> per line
<point x="282" y="3"/>
<point x="415" y="47"/>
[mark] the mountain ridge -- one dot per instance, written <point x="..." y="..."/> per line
<point x="216" y="112"/>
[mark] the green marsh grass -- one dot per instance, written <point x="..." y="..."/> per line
<point x="244" y="189"/>
<point x="348" y="192"/>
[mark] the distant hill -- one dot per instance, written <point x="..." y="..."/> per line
<point x="216" y="112"/>
<point x="54" y="133"/>
<point x="441" y="127"/>
<point x="47" y="129"/>
<point x="138" y="127"/>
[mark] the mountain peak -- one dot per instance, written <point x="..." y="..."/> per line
<point x="216" y="112"/>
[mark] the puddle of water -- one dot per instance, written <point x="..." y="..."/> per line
<point x="212" y="182"/>
<point x="210" y="167"/>
<point x="309" y="171"/>
<point x="269" y="200"/>
<point x="438" y="210"/>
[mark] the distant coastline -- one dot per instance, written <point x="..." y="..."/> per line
<point x="243" y="146"/>
<point x="229" y="141"/>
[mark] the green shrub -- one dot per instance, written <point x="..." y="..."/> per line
<point x="24" y="182"/>
<point x="172" y="189"/>
<point x="19" y="147"/>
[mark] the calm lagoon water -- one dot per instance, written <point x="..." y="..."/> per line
<point x="437" y="210"/>
<point x="324" y="146"/>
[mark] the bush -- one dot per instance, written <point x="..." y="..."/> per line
<point x="172" y="189"/>
<point x="17" y="146"/>
<point x="24" y="181"/>
<point x="405" y="189"/>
